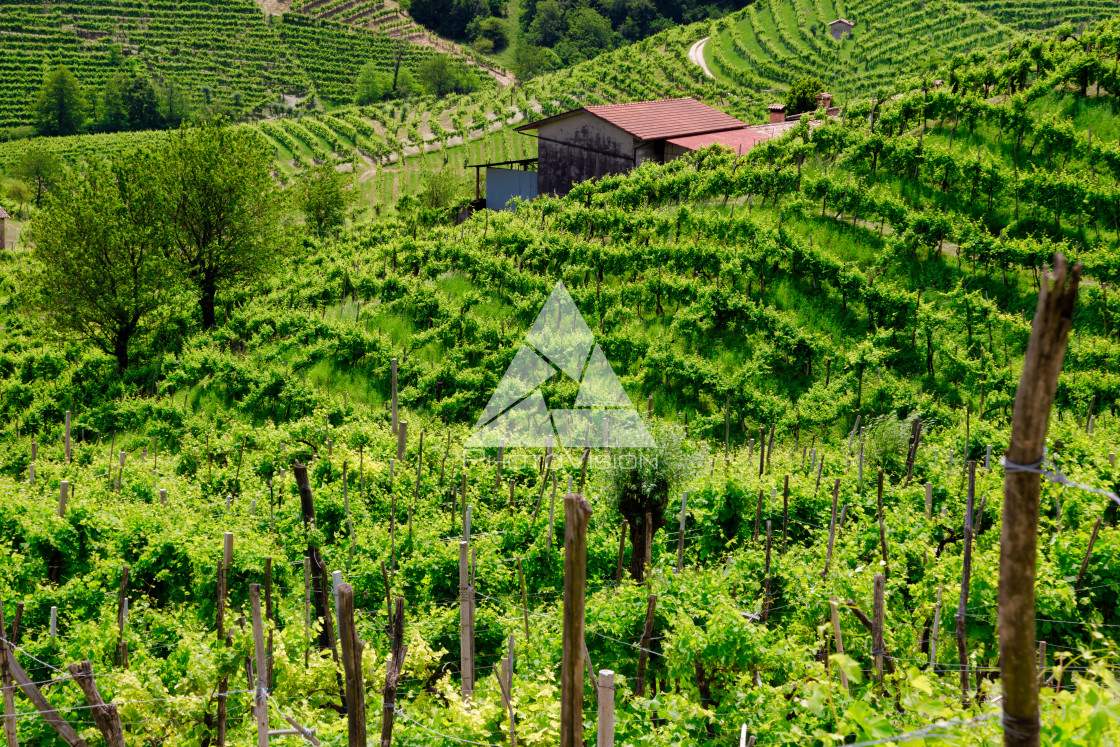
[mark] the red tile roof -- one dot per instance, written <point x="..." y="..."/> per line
<point x="3" y="214"/>
<point x="841" y="20"/>
<point x="740" y="141"/>
<point x="658" y="120"/>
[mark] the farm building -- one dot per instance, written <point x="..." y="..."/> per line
<point x="840" y="27"/>
<point x="596" y="141"/>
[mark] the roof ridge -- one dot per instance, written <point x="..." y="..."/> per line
<point x="637" y="103"/>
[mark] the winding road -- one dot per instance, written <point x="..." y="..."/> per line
<point x="696" y="54"/>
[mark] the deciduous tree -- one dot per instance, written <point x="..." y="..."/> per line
<point x="98" y="253"/>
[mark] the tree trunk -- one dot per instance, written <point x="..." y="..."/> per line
<point x="206" y="301"/>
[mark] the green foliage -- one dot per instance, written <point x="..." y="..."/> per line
<point x="99" y="252"/>
<point x="802" y="95"/>
<point x="373" y="84"/>
<point x="59" y="108"/>
<point x="323" y="197"/>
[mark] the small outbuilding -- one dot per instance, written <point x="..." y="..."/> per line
<point x="840" y="27"/>
<point x="596" y="141"/>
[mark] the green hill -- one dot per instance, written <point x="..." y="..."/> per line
<point x="830" y="288"/>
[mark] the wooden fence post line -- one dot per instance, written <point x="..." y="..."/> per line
<point x="605" y="736"/>
<point x="397" y="652"/>
<point x="785" y="513"/>
<point x="643" y="646"/>
<point x="766" y="578"/>
<point x="680" y="538"/>
<point x="352" y="647"/>
<point x="1088" y="552"/>
<point x="393" y="364"/>
<point x="877" y="625"/>
<point x="306" y="607"/>
<point x="577" y="512"/>
<point x="838" y="637"/>
<point x="621" y="550"/>
<point x="49" y="714"/>
<point x="63" y="493"/>
<point x="68" y="452"/>
<point x="1019" y="539"/>
<point x="882" y="529"/>
<point x="524" y="599"/>
<point x="6" y="682"/>
<point x="260" y="693"/>
<point x="966" y="575"/>
<point x="832" y="527"/>
<point x="465" y="665"/>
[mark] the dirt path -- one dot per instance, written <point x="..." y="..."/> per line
<point x="696" y="54"/>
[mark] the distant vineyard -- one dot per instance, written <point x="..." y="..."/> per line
<point x="226" y="46"/>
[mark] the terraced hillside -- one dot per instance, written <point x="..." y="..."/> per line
<point x="1024" y="14"/>
<point x="859" y="292"/>
<point x="226" y="46"/>
<point x="774" y="42"/>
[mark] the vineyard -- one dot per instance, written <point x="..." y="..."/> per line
<point x="225" y="46"/>
<point x="825" y="336"/>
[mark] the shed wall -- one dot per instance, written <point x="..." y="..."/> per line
<point x="578" y="148"/>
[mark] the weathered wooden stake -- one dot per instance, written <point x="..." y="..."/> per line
<point x="68" y="454"/>
<point x="832" y="527"/>
<point x="838" y="637"/>
<point x="63" y="493"/>
<point x="1018" y="543"/>
<point x="466" y="665"/>
<point x="1088" y="553"/>
<point x="393" y="365"/>
<point x="966" y="574"/>
<point x="577" y="512"/>
<point x="49" y="714"/>
<point x="260" y="693"/>
<point x="352" y="647"/>
<point x="105" y="715"/>
<point x="766" y="578"/>
<point x="605" y="737"/>
<point x="882" y="529"/>
<point x="935" y="632"/>
<point x="6" y="682"/>
<point x="643" y="647"/>
<point x="680" y="538"/>
<point x="877" y="623"/>
<point x="397" y="653"/>
<point x="785" y="513"/>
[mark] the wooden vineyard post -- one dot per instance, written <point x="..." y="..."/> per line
<point x="766" y="578"/>
<point x="643" y="647"/>
<point x="63" y="494"/>
<point x="576" y="515"/>
<point x="757" y="517"/>
<point x="223" y="633"/>
<point x="105" y="715"/>
<point x="839" y="638"/>
<point x="934" y="631"/>
<point x="551" y="515"/>
<point x="505" y="683"/>
<point x="393" y="385"/>
<point x="831" y="528"/>
<point x="1021" y="486"/>
<point x="785" y="513"/>
<point x="877" y="625"/>
<point x="306" y="608"/>
<point x="352" y="647"/>
<point x="966" y="574"/>
<point x="6" y="682"/>
<point x="49" y="714"/>
<point x="402" y="440"/>
<point x="680" y="538"/>
<point x="524" y="599"/>
<point x="122" y="611"/>
<point x="260" y="693"/>
<point x="605" y="735"/>
<point x="392" y="675"/>
<point x="621" y="550"/>
<point x="69" y="458"/>
<point x="882" y="529"/>
<point x="466" y="664"/>
<point x="1088" y="553"/>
